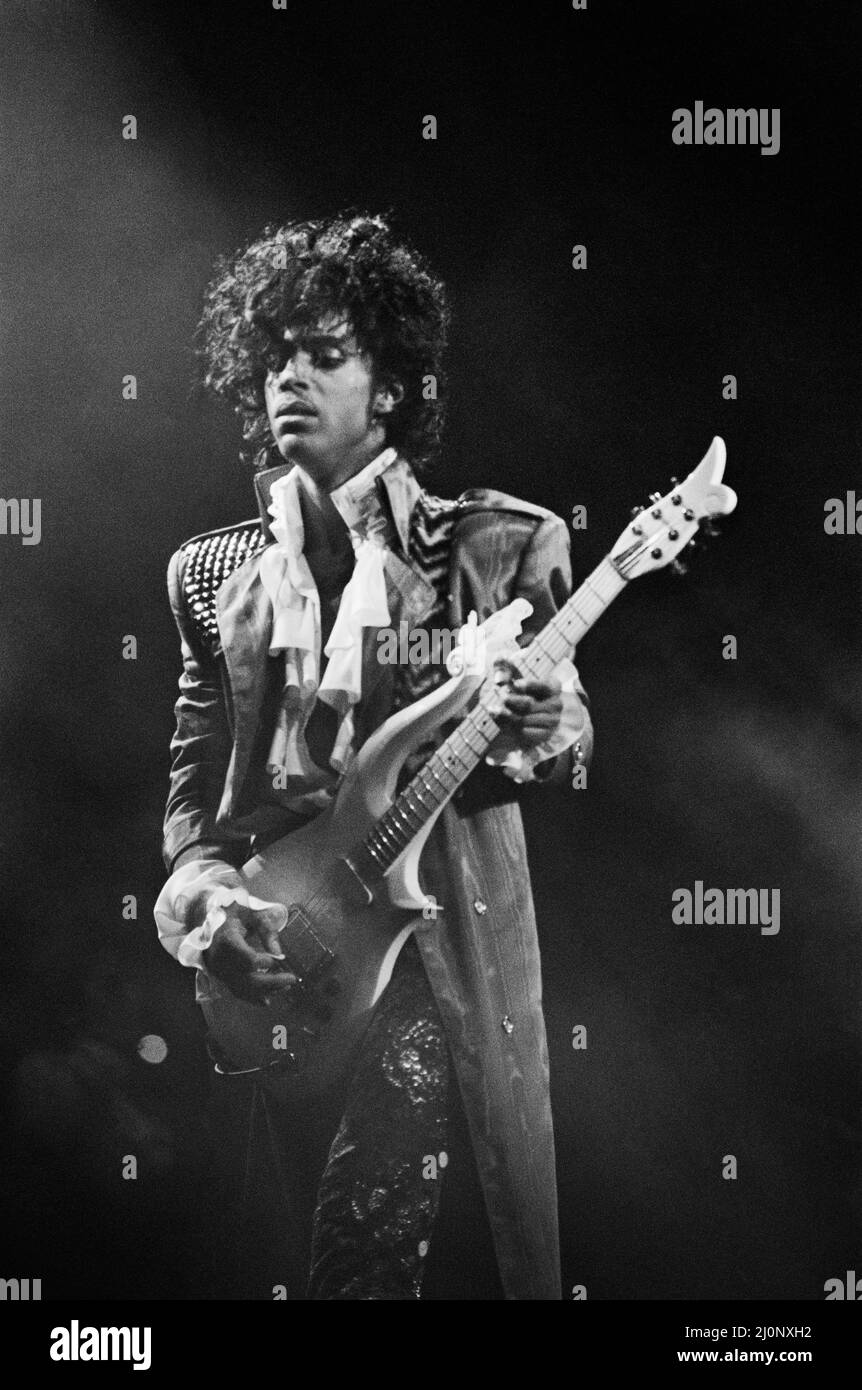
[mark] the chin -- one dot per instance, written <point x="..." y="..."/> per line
<point x="319" y="466"/>
<point x="299" y="448"/>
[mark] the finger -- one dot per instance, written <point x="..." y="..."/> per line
<point x="233" y="956"/>
<point x="534" y="719"/>
<point x="241" y="989"/>
<point x="540" y="731"/>
<point x="269" y="940"/>
<point x="524" y="704"/>
<point x="541" y="690"/>
<point x="258" y="986"/>
<point x="270" y="982"/>
<point x="231" y="942"/>
<point x="540" y="719"/>
<point x="272" y="916"/>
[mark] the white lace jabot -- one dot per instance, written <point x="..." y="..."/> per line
<point x="296" y="624"/>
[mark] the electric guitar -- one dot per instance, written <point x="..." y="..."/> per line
<point x="350" y="877"/>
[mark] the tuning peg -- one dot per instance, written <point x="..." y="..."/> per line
<point x="635" y="511"/>
<point x="674" y="481"/>
<point x="677" y="567"/>
<point x="708" y="527"/>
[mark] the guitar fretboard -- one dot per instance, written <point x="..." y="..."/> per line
<point x="464" y="748"/>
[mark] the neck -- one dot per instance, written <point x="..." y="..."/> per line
<point x="325" y="528"/>
<point x="326" y="474"/>
<point x="324" y="525"/>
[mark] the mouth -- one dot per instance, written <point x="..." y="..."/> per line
<point x="294" y="410"/>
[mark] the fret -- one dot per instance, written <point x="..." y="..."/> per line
<point x="477" y="751"/>
<point x="435" y="774"/>
<point x="380" y="844"/>
<point x="392" y="826"/>
<point x="537" y="654"/>
<point x="588" y="585"/>
<point x="406" y="811"/>
<point x="383" y="833"/>
<point x="376" y="853"/>
<point x="395" y="830"/>
<point x="469" y="766"/>
<point x="429" y="790"/>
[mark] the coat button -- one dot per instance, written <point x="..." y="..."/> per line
<point x="506" y="1024"/>
<point x="480" y="907"/>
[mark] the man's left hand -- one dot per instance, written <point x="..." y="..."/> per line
<point x="532" y="711"/>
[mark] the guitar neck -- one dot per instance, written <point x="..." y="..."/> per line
<point x="465" y="747"/>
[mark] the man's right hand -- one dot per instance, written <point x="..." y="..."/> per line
<point x="245" y="955"/>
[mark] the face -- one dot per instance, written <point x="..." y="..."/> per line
<point x="323" y="410"/>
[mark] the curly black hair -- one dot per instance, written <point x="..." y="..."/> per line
<point x="293" y="276"/>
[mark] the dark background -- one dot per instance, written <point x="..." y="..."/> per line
<point x="588" y="387"/>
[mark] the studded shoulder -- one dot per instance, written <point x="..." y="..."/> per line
<point x="207" y="561"/>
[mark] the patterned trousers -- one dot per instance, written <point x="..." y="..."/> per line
<point x="375" y="1205"/>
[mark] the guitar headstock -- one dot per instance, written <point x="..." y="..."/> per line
<point x="658" y="532"/>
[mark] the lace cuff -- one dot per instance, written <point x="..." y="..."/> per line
<point x="204" y="888"/>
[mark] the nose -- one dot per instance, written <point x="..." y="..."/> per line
<point x="294" y="368"/>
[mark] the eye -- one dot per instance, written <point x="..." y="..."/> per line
<point x="327" y="358"/>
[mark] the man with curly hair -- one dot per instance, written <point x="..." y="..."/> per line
<point x="327" y="337"/>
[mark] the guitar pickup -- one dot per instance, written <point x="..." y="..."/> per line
<point x="306" y="954"/>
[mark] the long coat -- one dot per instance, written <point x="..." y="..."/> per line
<point x="481" y="954"/>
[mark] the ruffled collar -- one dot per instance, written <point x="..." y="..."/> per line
<point x="374" y="527"/>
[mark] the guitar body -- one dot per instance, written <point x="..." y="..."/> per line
<point x="309" y="1034"/>
<point x="343" y="934"/>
